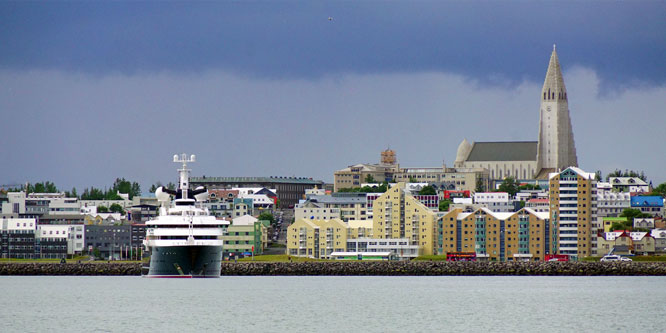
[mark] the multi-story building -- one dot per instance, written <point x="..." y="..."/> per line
<point x="623" y="242"/>
<point x="315" y="211"/>
<point x="494" y="236"/>
<point x="316" y="238"/>
<point x="648" y="204"/>
<point x="629" y="184"/>
<point x="245" y="236"/>
<point x="538" y="205"/>
<point x="359" y="229"/>
<point x="62" y="219"/>
<point x="242" y="207"/>
<point x="289" y="189"/>
<point x="220" y="203"/>
<point x="495" y="201"/>
<point x="52" y="241"/>
<point x="142" y="212"/>
<point x="612" y="204"/>
<point x="399" y="247"/>
<point x="17" y="238"/>
<point x="397" y="214"/>
<point x="573" y="207"/>
<point x="109" y="241"/>
<point x="351" y="206"/>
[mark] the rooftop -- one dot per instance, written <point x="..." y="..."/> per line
<point x="254" y="180"/>
<point x="503" y="151"/>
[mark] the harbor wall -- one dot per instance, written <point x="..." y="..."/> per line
<point x="415" y="268"/>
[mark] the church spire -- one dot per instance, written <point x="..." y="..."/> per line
<point x="553" y="85"/>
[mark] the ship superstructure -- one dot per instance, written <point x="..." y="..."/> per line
<point x="184" y="239"/>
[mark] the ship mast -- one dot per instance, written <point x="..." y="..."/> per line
<point x="184" y="172"/>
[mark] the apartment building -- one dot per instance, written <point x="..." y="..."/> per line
<point x="397" y="214"/>
<point x="573" y="206"/>
<point x="525" y="235"/>
<point x="17" y="238"/>
<point x="316" y="238"/>
<point x="350" y="206"/>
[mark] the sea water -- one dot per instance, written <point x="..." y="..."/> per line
<point x="332" y="304"/>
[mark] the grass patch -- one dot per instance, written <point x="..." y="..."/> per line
<point x="277" y="245"/>
<point x="439" y="257"/>
<point x="279" y="258"/>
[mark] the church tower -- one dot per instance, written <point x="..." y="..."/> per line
<point x="556" y="148"/>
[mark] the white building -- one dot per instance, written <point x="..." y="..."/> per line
<point x="244" y="220"/>
<point x="629" y="184"/>
<point x="315" y="211"/>
<point x="398" y="246"/>
<point x="495" y="201"/>
<point x="611" y="204"/>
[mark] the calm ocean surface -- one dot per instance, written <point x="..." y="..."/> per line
<point x="335" y="304"/>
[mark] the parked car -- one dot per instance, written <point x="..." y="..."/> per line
<point x="614" y="257"/>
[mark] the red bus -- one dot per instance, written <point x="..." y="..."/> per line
<point x="461" y="256"/>
<point x="556" y="257"/>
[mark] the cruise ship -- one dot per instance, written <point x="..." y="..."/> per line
<point x="184" y="240"/>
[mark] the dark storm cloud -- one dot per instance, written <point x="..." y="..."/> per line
<point x="495" y="42"/>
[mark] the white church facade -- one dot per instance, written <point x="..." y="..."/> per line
<point x="554" y="150"/>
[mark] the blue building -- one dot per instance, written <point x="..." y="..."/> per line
<point x="649" y="204"/>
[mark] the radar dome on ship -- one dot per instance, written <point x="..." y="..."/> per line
<point x="203" y="196"/>
<point x="161" y="195"/>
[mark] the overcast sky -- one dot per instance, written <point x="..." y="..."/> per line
<point x="94" y="91"/>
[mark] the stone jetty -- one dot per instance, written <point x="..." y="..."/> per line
<point x="378" y="268"/>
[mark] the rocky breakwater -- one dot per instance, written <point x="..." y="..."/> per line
<point x="379" y="268"/>
<point x="428" y="268"/>
<point x="70" y="269"/>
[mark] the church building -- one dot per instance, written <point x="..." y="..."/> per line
<point x="555" y="149"/>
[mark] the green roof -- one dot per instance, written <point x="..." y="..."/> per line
<point x="257" y="180"/>
<point x="503" y="151"/>
<point x="614" y="219"/>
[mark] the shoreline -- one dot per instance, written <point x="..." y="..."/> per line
<point x="352" y="268"/>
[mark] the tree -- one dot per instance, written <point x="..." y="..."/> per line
<point x="479" y="185"/>
<point x="631" y="213"/>
<point x="71" y="194"/>
<point x="43" y="187"/>
<point x="660" y="190"/>
<point x="116" y="208"/>
<point x="509" y="185"/>
<point x="123" y="186"/>
<point x="427" y="190"/>
<point x="624" y="225"/>
<point x="102" y="209"/>
<point x="412" y="179"/>
<point x="266" y="216"/>
<point x="96" y="253"/>
<point x="444" y="205"/>
<point x="370" y="179"/>
<point x="366" y="189"/>
<point x="626" y="173"/>
<point x="599" y="175"/>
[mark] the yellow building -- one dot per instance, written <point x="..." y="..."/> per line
<point x="396" y="214"/>
<point x="573" y="207"/>
<point x="359" y="229"/>
<point x="522" y="235"/>
<point x="316" y="238"/>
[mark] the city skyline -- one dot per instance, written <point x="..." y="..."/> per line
<point x="92" y="92"/>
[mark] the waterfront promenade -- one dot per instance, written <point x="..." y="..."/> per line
<point x="401" y="268"/>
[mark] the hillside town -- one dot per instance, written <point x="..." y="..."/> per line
<point x="499" y="201"/>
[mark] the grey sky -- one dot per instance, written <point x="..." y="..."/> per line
<point x="89" y="93"/>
